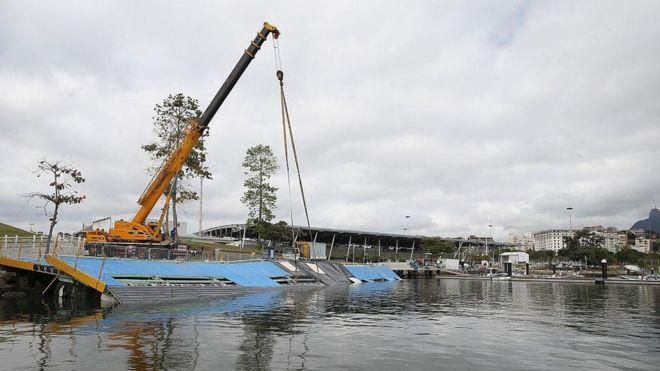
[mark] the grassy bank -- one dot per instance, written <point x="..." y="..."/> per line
<point x="6" y="229"/>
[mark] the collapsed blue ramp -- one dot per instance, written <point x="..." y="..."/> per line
<point x="367" y="273"/>
<point x="248" y="274"/>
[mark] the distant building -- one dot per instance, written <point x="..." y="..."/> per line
<point x="612" y="240"/>
<point x="552" y="239"/>
<point x="642" y="244"/>
<point x="515" y="257"/>
<point x="523" y="239"/>
<point x="474" y="238"/>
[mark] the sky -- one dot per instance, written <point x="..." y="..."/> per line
<point x="458" y="114"/>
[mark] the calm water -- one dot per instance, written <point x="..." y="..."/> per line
<point x="419" y="324"/>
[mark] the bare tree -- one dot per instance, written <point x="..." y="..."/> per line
<point x="64" y="176"/>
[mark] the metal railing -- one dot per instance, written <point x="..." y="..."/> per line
<point x="34" y="249"/>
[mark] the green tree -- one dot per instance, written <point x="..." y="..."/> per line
<point x="170" y="121"/>
<point x="585" y="244"/>
<point x="259" y="165"/>
<point x="438" y="246"/>
<point x="542" y="255"/>
<point x="628" y="255"/>
<point x="63" y="177"/>
<point x="275" y="232"/>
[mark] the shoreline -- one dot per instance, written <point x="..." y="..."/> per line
<point x="592" y="281"/>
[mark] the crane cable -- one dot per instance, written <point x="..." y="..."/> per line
<point x="286" y="124"/>
<point x="278" y="67"/>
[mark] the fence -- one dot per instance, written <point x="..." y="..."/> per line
<point x="34" y="249"/>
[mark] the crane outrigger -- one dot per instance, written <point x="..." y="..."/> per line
<point x="137" y="231"/>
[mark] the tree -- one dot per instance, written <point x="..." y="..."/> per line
<point x="438" y="246"/>
<point x="259" y="165"/>
<point x="171" y="119"/>
<point x="628" y="255"/>
<point x="542" y="255"/>
<point x="585" y="244"/>
<point x="275" y="232"/>
<point x="63" y="177"/>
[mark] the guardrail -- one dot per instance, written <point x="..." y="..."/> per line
<point x="34" y="248"/>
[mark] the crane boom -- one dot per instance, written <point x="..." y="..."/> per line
<point x="196" y="128"/>
<point x="136" y="230"/>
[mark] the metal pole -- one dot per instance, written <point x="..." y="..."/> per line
<point x="201" y="197"/>
<point x="348" y="251"/>
<point x="396" y="250"/>
<point x="412" y="251"/>
<point x="353" y="253"/>
<point x="243" y="239"/>
<point x="379" y="250"/>
<point x="364" y="251"/>
<point x="20" y="247"/>
<point x="332" y="244"/>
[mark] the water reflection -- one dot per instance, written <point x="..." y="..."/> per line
<point x="416" y="323"/>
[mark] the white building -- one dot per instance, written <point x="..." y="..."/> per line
<point x="642" y="244"/>
<point x="515" y="257"/>
<point x="612" y="241"/>
<point x="523" y="239"/>
<point x="552" y="239"/>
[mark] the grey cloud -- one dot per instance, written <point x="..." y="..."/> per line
<point x="460" y="115"/>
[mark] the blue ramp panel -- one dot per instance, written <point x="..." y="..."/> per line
<point x="249" y="274"/>
<point x="371" y="272"/>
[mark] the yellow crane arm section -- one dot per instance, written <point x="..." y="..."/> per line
<point x="167" y="172"/>
<point x="136" y="230"/>
<point x="196" y="127"/>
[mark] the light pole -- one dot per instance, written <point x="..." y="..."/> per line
<point x="490" y="233"/>
<point x="570" y="218"/>
<point x="405" y="227"/>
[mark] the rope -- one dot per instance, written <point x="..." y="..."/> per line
<point x="286" y="124"/>
<point x="278" y="67"/>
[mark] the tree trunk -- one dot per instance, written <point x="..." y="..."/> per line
<point x="53" y="221"/>
<point x="167" y="223"/>
<point x="261" y="190"/>
<point x="175" y="224"/>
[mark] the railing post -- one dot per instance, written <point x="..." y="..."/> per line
<point x="100" y="271"/>
<point x="57" y="240"/>
<point x="20" y="247"/>
<point x="149" y="253"/>
<point x="80" y="245"/>
<point x="34" y="241"/>
<point x="40" y="245"/>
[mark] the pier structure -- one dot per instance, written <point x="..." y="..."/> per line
<point x="344" y="244"/>
<point x="159" y="277"/>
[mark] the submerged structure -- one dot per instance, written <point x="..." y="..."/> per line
<point x="69" y="269"/>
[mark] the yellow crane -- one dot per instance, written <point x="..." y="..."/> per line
<point x="136" y="231"/>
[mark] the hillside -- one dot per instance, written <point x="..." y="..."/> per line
<point x="654" y="225"/>
<point x="8" y="230"/>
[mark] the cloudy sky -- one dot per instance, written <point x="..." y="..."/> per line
<point x="459" y="114"/>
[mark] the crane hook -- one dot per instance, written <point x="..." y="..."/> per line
<point x="280" y="76"/>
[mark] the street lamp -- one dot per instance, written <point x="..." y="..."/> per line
<point x="570" y="218"/>
<point x="490" y="233"/>
<point x="405" y="227"/>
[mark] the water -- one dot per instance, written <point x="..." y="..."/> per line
<point x="418" y="324"/>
